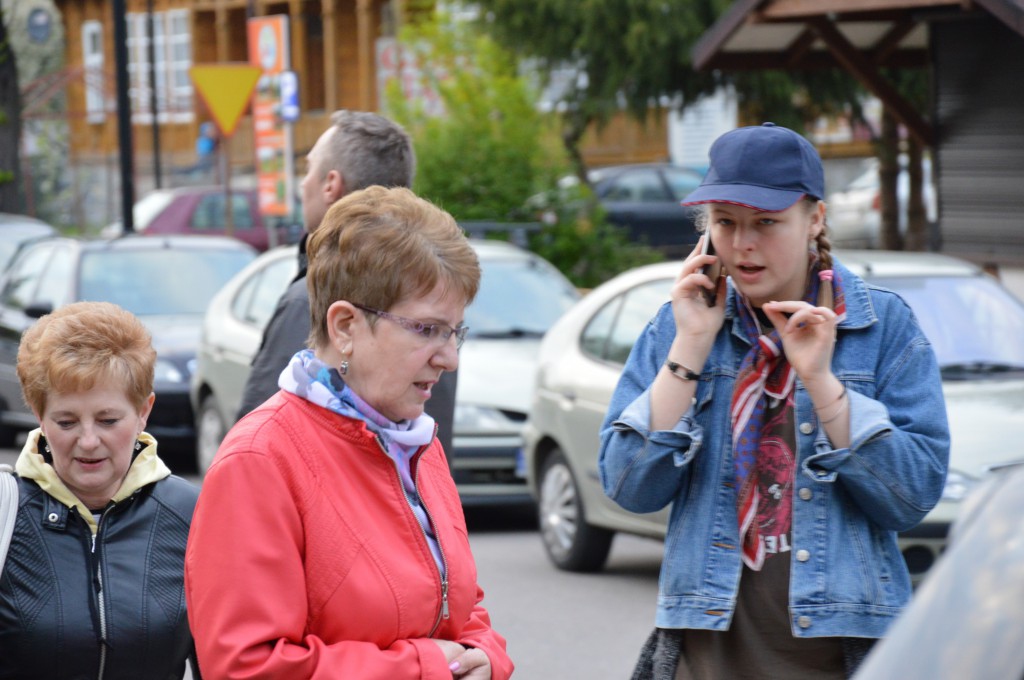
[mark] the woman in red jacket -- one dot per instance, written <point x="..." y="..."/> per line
<point x="329" y="540"/>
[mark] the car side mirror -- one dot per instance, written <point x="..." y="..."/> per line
<point x="38" y="309"/>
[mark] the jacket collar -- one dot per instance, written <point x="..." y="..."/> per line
<point x="147" y="468"/>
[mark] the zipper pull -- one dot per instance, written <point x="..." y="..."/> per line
<point x="444" y="599"/>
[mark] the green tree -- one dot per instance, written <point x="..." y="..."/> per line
<point x="10" y="124"/>
<point x="483" y="147"/>
<point x="480" y="142"/>
<point x="635" y="54"/>
<point x="630" y="53"/>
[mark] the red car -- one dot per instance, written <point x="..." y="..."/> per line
<point x="200" y="210"/>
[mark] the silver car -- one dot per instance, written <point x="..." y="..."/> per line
<point x="521" y="295"/>
<point x="974" y="324"/>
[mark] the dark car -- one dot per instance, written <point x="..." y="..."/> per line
<point x="165" y="281"/>
<point x="16" y="231"/>
<point x="645" y="198"/>
<point x="201" y="210"/>
<point x="642" y="197"/>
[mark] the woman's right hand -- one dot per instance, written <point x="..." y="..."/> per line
<point x="472" y="664"/>
<point x="449" y="648"/>
<point x="692" y="315"/>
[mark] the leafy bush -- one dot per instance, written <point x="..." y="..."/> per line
<point x="482" y="148"/>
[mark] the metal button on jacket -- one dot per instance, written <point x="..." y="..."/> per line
<point x="806" y="428"/>
<point x="804" y="621"/>
<point x="802" y="555"/>
<point x="805" y="494"/>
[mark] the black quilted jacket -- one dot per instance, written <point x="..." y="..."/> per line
<point x="116" y="610"/>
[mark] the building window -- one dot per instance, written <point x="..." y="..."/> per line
<point x="92" y="61"/>
<point x="172" y="43"/>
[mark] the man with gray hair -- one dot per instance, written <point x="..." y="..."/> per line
<point x="358" y="150"/>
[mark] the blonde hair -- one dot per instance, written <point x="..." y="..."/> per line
<point x="378" y="247"/>
<point x="81" y="345"/>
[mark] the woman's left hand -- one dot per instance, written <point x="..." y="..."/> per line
<point x="473" y="664"/>
<point x="808" y="336"/>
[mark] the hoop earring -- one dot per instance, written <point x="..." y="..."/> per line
<point x="343" y="369"/>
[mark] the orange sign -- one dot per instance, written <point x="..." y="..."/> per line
<point x="226" y="90"/>
<point x="269" y="51"/>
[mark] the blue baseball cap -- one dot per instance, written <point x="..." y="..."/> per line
<point x="766" y="167"/>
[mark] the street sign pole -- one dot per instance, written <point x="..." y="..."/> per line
<point x="124" y="116"/>
<point x="226" y="90"/>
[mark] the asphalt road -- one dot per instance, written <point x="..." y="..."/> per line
<point x="559" y="626"/>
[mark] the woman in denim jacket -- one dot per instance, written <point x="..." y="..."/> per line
<point x="793" y="417"/>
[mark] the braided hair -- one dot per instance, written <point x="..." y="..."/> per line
<point x="824" y="248"/>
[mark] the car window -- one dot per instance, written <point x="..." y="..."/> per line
<point x="55" y="281"/>
<point x="642" y="185"/>
<point x="611" y="333"/>
<point x="681" y="182"/>
<point x="165" y="281"/>
<point x="256" y="299"/>
<point x="518" y="297"/>
<point x="967" y="319"/>
<point x="209" y="213"/>
<point x="23" y="280"/>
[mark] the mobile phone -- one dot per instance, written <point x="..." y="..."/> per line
<point x="712" y="271"/>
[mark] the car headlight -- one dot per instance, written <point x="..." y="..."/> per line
<point x="473" y="419"/>
<point x="165" y="371"/>
<point x="958" y="485"/>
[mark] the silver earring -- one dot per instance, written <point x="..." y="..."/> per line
<point x="344" y="367"/>
<point x="138" y="446"/>
<point x="46" y="447"/>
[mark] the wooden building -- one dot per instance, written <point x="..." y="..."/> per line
<point x="338" y="48"/>
<point x="333" y="51"/>
<point x="974" y="50"/>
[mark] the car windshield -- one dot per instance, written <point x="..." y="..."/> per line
<point x="520" y="297"/>
<point x="158" y="281"/>
<point x="972" y="322"/>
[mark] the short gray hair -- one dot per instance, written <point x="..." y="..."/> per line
<point x="368" y="149"/>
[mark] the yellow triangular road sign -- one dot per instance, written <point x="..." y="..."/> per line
<point x="226" y="90"/>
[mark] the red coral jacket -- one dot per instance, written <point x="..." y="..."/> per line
<point x="305" y="560"/>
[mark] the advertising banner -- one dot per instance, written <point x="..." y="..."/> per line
<point x="269" y="49"/>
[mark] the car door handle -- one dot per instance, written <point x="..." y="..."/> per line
<point x="568" y="399"/>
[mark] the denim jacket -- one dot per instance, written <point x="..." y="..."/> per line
<point x="847" y="577"/>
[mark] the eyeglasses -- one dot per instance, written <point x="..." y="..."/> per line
<point x="435" y="333"/>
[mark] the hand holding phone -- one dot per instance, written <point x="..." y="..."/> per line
<point x="712" y="271"/>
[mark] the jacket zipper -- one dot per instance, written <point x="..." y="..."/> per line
<point x="100" y="597"/>
<point x="443" y="614"/>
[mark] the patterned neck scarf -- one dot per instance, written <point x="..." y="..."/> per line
<point x="313" y="380"/>
<point x="764" y="374"/>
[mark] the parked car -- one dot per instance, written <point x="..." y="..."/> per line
<point x="166" y="281"/>
<point x="643" y="197"/>
<point x="972" y="322"/>
<point x="17" y="231"/>
<point x="854" y="213"/>
<point x="963" y="621"/>
<point x="521" y="295"/>
<point x="201" y="210"/>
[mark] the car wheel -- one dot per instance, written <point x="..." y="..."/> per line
<point x="210" y="431"/>
<point x="571" y="543"/>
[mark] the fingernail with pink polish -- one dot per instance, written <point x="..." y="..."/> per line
<point x="454" y="666"/>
